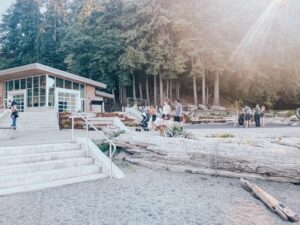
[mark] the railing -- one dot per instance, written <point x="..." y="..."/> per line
<point x="112" y="146"/>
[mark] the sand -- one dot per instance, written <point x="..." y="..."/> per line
<point x="148" y="197"/>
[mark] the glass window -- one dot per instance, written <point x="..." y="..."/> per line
<point x="82" y="91"/>
<point x="35" y="91"/>
<point x="42" y="100"/>
<point x="51" y="82"/>
<point x="42" y="91"/>
<point x="10" y="85"/>
<point x="29" y="82"/>
<point x="43" y="81"/>
<point x="36" y="82"/>
<point x="67" y="102"/>
<point x="35" y="101"/>
<point x="29" y="97"/>
<point x="17" y="84"/>
<point x="68" y="84"/>
<point x="59" y="83"/>
<point x="76" y="86"/>
<point x="51" y="97"/>
<point x="23" y="83"/>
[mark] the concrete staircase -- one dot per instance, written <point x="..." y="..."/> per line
<point x="34" y="167"/>
<point x="33" y="120"/>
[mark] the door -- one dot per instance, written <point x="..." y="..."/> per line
<point x="19" y="97"/>
<point x="67" y="100"/>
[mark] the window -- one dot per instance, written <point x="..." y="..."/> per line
<point x="29" y="97"/>
<point x="23" y="83"/>
<point x="51" y="82"/>
<point x="82" y="91"/>
<point x="43" y="82"/>
<point x="68" y="84"/>
<point x="17" y="84"/>
<point x="10" y="85"/>
<point x="29" y="82"/>
<point x="67" y="102"/>
<point x="59" y="83"/>
<point x="76" y="86"/>
<point x="36" y="82"/>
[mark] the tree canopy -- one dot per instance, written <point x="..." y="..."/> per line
<point x="163" y="47"/>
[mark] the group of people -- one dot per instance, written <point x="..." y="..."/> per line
<point x="248" y="115"/>
<point x="165" y="113"/>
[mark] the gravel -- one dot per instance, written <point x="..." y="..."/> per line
<point x="145" y="197"/>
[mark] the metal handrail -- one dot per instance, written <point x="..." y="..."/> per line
<point x="89" y="124"/>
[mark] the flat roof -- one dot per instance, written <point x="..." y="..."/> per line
<point x="39" y="69"/>
<point x="104" y="94"/>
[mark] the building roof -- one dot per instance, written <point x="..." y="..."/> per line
<point x="104" y="94"/>
<point x="39" y="69"/>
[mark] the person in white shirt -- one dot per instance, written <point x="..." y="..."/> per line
<point x="166" y="111"/>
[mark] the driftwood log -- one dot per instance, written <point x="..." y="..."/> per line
<point x="229" y="158"/>
<point x="284" y="212"/>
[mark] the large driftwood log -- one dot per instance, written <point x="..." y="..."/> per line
<point x="223" y="159"/>
<point x="284" y="212"/>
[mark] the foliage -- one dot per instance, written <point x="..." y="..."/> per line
<point x="116" y="42"/>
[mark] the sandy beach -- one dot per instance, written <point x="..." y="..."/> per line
<point x="147" y="197"/>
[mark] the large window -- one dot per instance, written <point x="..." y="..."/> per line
<point x="41" y="89"/>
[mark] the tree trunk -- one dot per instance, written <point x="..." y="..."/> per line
<point x="217" y="89"/>
<point x="121" y="94"/>
<point x="195" y="91"/>
<point x="207" y="95"/>
<point x="177" y="89"/>
<point x="161" y="90"/>
<point x="141" y="90"/>
<point x="133" y="86"/>
<point x="124" y="96"/>
<point x="155" y="90"/>
<point x="168" y="86"/>
<point x="147" y="92"/>
<point x="171" y="90"/>
<point x="203" y="87"/>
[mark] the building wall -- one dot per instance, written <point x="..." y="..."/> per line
<point x="90" y="94"/>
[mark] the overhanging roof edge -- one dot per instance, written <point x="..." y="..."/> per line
<point x="58" y="72"/>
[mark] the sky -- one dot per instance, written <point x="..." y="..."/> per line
<point x="4" y="4"/>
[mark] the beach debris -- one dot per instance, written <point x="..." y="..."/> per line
<point x="284" y="212"/>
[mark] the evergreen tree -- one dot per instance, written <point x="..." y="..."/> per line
<point x="20" y="34"/>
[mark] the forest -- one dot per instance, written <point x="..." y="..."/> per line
<point x="210" y="52"/>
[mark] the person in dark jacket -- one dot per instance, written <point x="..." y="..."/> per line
<point x="14" y="114"/>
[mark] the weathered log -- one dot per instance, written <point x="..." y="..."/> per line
<point x="284" y="212"/>
<point x="224" y="159"/>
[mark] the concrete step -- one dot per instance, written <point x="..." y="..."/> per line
<point x="30" y="158"/>
<point x="34" y="149"/>
<point x="46" y="176"/>
<point x="43" y="166"/>
<point x="51" y="184"/>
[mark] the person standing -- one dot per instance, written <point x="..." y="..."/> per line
<point x="166" y="111"/>
<point x="178" y="111"/>
<point x="14" y="115"/>
<point x="247" y="113"/>
<point x="153" y="114"/>
<point x="257" y="113"/>
<point x="262" y="116"/>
